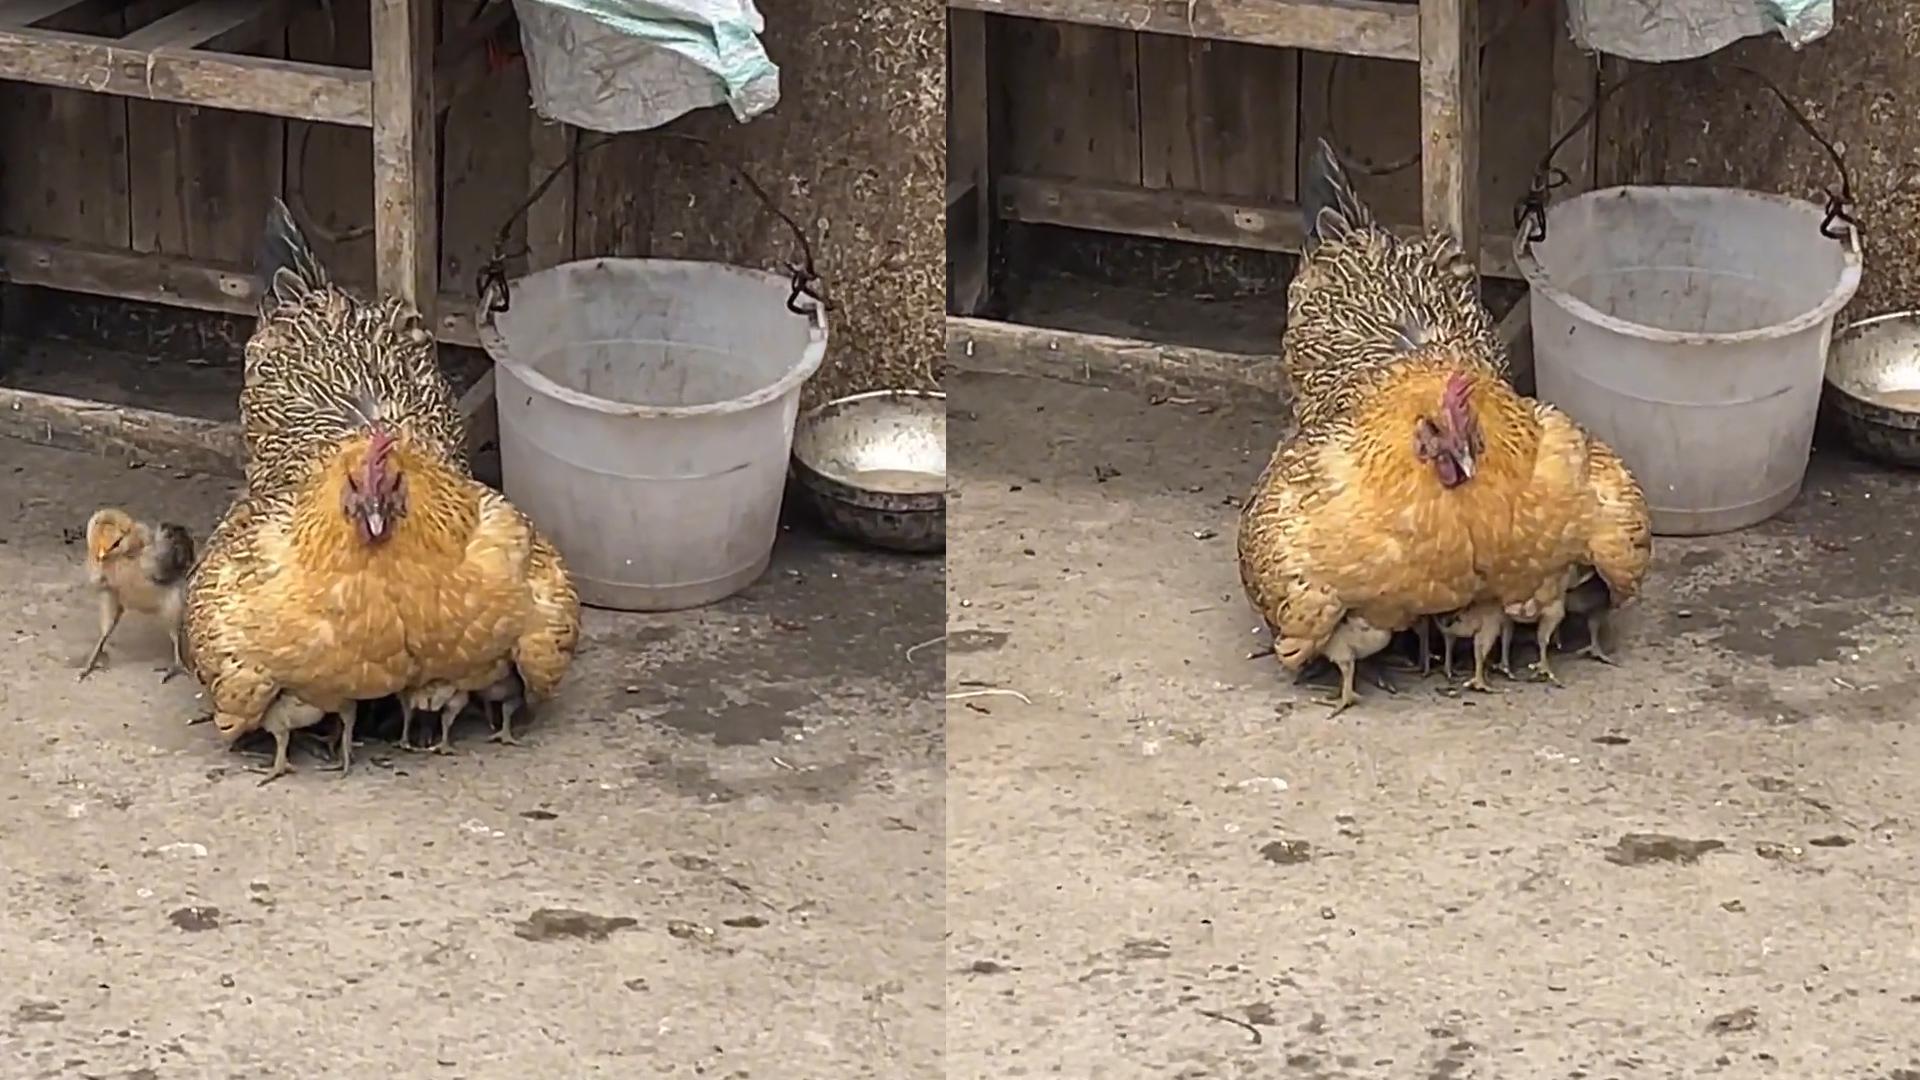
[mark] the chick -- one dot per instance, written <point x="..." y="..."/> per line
<point x="1484" y="623"/>
<point x="505" y="696"/>
<point x="137" y="566"/>
<point x="441" y="697"/>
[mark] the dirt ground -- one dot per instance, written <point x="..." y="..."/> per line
<point x="745" y="802"/>
<point x="1165" y="862"/>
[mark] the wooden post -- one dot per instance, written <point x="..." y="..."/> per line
<point x="969" y="175"/>
<point x="406" y="213"/>
<point x="1576" y="79"/>
<point x="1450" y="119"/>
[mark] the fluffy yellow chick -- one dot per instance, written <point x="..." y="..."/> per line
<point x="140" y="567"/>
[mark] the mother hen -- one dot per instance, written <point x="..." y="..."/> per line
<point x="1419" y="482"/>
<point x="362" y="559"/>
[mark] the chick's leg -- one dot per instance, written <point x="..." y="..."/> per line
<point x="406" y="724"/>
<point x="109" y="618"/>
<point x="347" y="714"/>
<point x="179" y="665"/>
<point x="1484" y="637"/>
<point x="1597" y="623"/>
<point x="1550" y="620"/>
<point x="448" y="714"/>
<point x="1346" y="697"/>
<point x="507" y="709"/>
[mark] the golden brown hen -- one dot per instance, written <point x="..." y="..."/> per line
<point x="1419" y="483"/>
<point x="362" y="560"/>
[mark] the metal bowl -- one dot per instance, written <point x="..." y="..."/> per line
<point x="1873" y="386"/>
<point x="874" y="467"/>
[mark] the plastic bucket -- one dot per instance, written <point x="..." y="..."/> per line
<point x="646" y="417"/>
<point x="1688" y="328"/>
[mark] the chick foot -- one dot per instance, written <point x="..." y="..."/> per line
<point x="281" y="766"/>
<point x="94" y="663"/>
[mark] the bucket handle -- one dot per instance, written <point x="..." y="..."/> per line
<point x="1530" y="215"/>
<point x="495" y="296"/>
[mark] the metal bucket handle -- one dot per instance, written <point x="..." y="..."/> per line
<point x="495" y="296"/>
<point x="1530" y="215"/>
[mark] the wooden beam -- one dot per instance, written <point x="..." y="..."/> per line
<point x="1098" y="360"/>
<point x="213" y="25"/>
<point x="405" y="171"/>
<point x="1129" y="210"/>
<point x="163" y="279"/>
<point x="33" y="12"/>
<point x="1450" y="118"/>
<point x="121" y="431"/>
<point x="273" y="87"/>
<point x="1348" y="27"/>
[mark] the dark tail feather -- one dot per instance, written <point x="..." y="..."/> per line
<point x="1329" y="207"/>
<point x="288" y="267"/>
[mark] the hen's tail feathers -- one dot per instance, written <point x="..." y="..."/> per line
<point x="289" y="270"/>
<point x="1330" y="208"/>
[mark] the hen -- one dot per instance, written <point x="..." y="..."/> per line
<point x="362" y="560"/>
<point x="136" y="566"/>
<point x="1419" y="483"/>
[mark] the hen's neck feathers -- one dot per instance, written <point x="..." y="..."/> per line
<point x="443" y="508"/>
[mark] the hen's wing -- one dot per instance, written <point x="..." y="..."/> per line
<point x="1552" y="520"/>
<point x="545" y="651"/>
<point x="213" y="645"/>
<point x="1312" y="550"/>
<point x="1363" y="298"/>
<point x="1620" y="547"/>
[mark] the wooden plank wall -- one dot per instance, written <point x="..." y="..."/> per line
<point x="1224" y="119"/>
<point x="163" y="178"/>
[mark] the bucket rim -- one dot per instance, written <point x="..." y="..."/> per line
<point x="495" y="345"/>
<point x="1837" y="298"/>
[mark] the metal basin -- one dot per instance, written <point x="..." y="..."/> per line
<point x="874" y="467"/>
<point x="1873" y="386"/>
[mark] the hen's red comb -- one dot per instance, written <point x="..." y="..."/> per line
<point x="1459" y="389"/>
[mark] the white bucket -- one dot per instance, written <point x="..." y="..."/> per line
<point x="1688" y="328"/>
<point x="646" y="417"/>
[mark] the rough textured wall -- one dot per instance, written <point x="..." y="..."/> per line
<point x="856" y="153"/>
<point x="1703" y="123"/>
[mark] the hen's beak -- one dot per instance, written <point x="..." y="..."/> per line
<point x="376" y="524"/>
<point x="1463" y="460"/>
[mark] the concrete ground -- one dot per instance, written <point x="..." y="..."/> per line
<point x="735" y="814"/>
<point x="1163" y="862"/>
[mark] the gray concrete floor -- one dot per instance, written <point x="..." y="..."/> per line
<point x="757" y="786"/>
<point x="1165" y="863"/>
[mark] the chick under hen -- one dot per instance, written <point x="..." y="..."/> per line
<point x="136" y="566"/>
